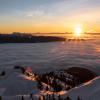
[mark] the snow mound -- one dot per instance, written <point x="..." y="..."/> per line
<point x="87" y="91"/>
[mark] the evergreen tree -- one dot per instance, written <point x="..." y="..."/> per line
<point x="31" y="96"/>
<point x="39" y="98"/>
<point x="3" y="73"/>
<point x="22" y="98"/>
<point x="53" y="97"/>
<point x="78" y="98"/>
<point x="43" y="97"/>
<point x="47" y="88"/>
<point x="49" y="97"/>
<point x="0" y="97"/>
<point x="68" y="98"/>
<point x="39" y="85"/>
<point x="59" y="97"/>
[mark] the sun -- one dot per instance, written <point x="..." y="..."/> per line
<point x="78" y="31"/>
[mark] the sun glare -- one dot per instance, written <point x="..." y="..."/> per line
<point x="78" y="31"/>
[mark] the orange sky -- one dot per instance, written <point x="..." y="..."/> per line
<point x="49" y="16"/>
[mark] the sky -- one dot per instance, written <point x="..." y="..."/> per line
<point x="49" y="15"/>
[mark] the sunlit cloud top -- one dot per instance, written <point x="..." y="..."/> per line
<point x="48" y="15"/>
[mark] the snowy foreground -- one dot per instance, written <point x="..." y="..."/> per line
<point x="87" y="91"/>
<point x="14" y="85"/>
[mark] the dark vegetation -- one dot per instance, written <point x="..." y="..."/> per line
<point x="65" y="79"/>
<point x="83" y="74"/>
<point x="27" y="38"/>
<point x="21" y="68"/>
<point x="53" y="97"/>
<point x="3" y="73"/>
<point x="47" y="97"/>
<point x="57" y="81"/>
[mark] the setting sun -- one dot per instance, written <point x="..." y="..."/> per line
<point x="78" y="31"/>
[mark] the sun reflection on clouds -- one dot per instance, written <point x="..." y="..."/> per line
<point x="97" y="49"/>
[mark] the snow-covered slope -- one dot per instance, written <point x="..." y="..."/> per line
<point x="87" y="91"/>
<point x="15" y="83"/>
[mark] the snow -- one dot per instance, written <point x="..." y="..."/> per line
<point x="87" y="91"/>
<point x="16" y="84"/>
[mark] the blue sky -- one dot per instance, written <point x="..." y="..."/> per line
<point x="41" y="13"/>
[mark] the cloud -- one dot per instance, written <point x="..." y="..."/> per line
<point x="34" y="13"/>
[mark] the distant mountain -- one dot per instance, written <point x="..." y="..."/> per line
<point x="27" y="38"/>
